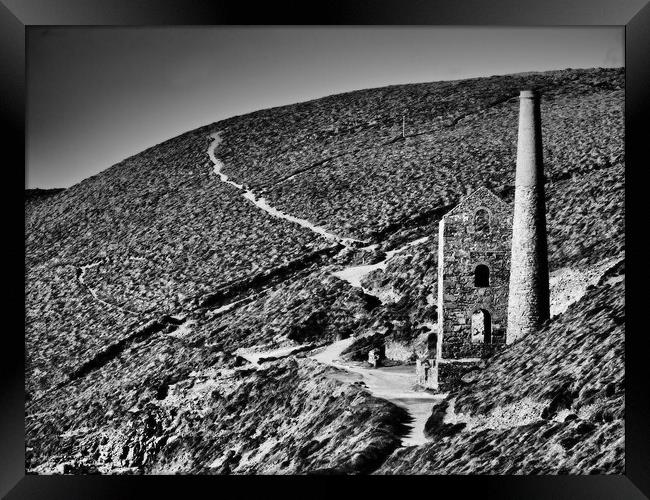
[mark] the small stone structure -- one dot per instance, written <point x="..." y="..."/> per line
<point x="427" y="373"/>
<point x="426" y="365"/>
<point x="473" y="276"/>
<point x="529" y="304"/>
<point x="374" y="357"/>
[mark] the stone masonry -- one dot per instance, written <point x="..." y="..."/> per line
<point x="473" y="276"/>
<point x="529" y="286"/>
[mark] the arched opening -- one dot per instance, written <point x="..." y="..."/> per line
<point x="481" y="326"/>
<point x="482" y="221"/>
<point x="482" y="276"/>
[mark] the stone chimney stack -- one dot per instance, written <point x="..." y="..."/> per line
<point x="528" y="301"/>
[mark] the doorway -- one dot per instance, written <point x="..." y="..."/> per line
<point x="481" y="326"/>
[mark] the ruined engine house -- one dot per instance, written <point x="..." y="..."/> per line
<point x="493" y="283"/>
<point x="473" y="276"/>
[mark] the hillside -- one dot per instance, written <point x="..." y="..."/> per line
<point x="143" y="281"/>
<point x="208" y="421"/>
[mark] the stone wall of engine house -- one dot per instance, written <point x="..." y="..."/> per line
<point x="473" y="275"/>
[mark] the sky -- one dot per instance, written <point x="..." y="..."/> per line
<point x="96" y="96"/>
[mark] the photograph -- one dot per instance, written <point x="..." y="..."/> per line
<point x="347" y="250"/>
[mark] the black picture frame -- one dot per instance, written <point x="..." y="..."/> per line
<point x="16" y="16"/>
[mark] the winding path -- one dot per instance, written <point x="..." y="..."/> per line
<point x="355" y="274"/>
<point x="395" y="384"/>
<point x="262" y="204"/>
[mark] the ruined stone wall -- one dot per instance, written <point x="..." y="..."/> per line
<point x="463" y="249"/>
<point x="427" y="373"/>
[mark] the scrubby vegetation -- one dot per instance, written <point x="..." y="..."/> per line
<point x="143" y="281"/>
<point x="288" y="417"/>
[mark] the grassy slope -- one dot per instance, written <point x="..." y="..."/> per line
<point x="214" y="416"/>
<point x="373" y="180"/>
<point x="164" y="229"/>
